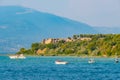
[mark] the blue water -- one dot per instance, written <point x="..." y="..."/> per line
<point x="44" y="68"/>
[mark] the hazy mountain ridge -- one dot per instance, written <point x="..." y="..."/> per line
<point x="19" y="27"/>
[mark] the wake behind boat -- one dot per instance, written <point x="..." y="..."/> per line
<point x="21" y="56"/>
<point x="60" y="62"/>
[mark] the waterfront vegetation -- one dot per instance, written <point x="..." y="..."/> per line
<point x="105" y="45"/>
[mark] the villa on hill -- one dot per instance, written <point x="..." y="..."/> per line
<point x="55" y="40"/>
<point x="50" y="40"/>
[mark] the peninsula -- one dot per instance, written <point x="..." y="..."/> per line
<point x="104" y="45"/>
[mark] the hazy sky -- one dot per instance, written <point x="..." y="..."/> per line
<point x="92" y="12"/>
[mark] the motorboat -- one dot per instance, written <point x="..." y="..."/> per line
<point x="116" y="60"/>
<point x="91" y="60"/>
<point x="60" y="62"/>
<point x="13" y="57"/>
<point x="21" y="56"/>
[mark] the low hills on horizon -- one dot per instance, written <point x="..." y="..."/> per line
<point x="20" y="27"/>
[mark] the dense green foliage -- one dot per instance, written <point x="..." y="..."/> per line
<point x="99" y="45"/>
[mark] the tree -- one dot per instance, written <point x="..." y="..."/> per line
<point x="22" y="50"/>
<point x="69" y="38"/>
<point x="74" y="36"/>
<point x="51" y="46"/>
<point x="35" y="46"/>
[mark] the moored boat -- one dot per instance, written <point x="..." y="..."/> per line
<point x="13" y="57"/>
<point x="116" y="60"/>
<point x="21" y="56"/>
<point x="91" y="61"/>
<point x="60" y="62"/>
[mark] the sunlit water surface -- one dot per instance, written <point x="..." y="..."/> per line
<point x="44" y="68"/>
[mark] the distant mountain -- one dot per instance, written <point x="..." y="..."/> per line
<point x="19" y="27"/>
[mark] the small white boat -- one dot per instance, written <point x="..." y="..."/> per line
<point x="60" y="62"/>
<point x="116" y="60"/>
<point x="13" y="57"/>
<point x="91" y="61"/>
<point x="21" y="56"/>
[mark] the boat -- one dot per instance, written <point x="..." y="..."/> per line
<point x="13" y="56"/>
<point x="21" y="56"/>
<point x="91" y="60"/>
<point x="60" y="62"/>
<point x="116" y="60"/>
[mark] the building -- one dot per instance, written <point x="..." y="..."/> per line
<point x="86" y="38"/>
<point x="68" y="40"/>
<point x="50" y="40"/>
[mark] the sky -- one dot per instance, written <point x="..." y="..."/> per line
<point x="93" y="12"/>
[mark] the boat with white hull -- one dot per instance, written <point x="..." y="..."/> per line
<point x="116" y="60"/>
<point x="61" y="62"/>
<point x="91" y="61"/>
<point x="21" y="56"/>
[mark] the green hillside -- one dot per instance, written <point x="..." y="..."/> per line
<point x="78" y="45"/>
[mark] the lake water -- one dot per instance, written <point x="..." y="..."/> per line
<point x="44" y="68"/>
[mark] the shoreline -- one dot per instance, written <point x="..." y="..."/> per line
<point x="81" y="56"/>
